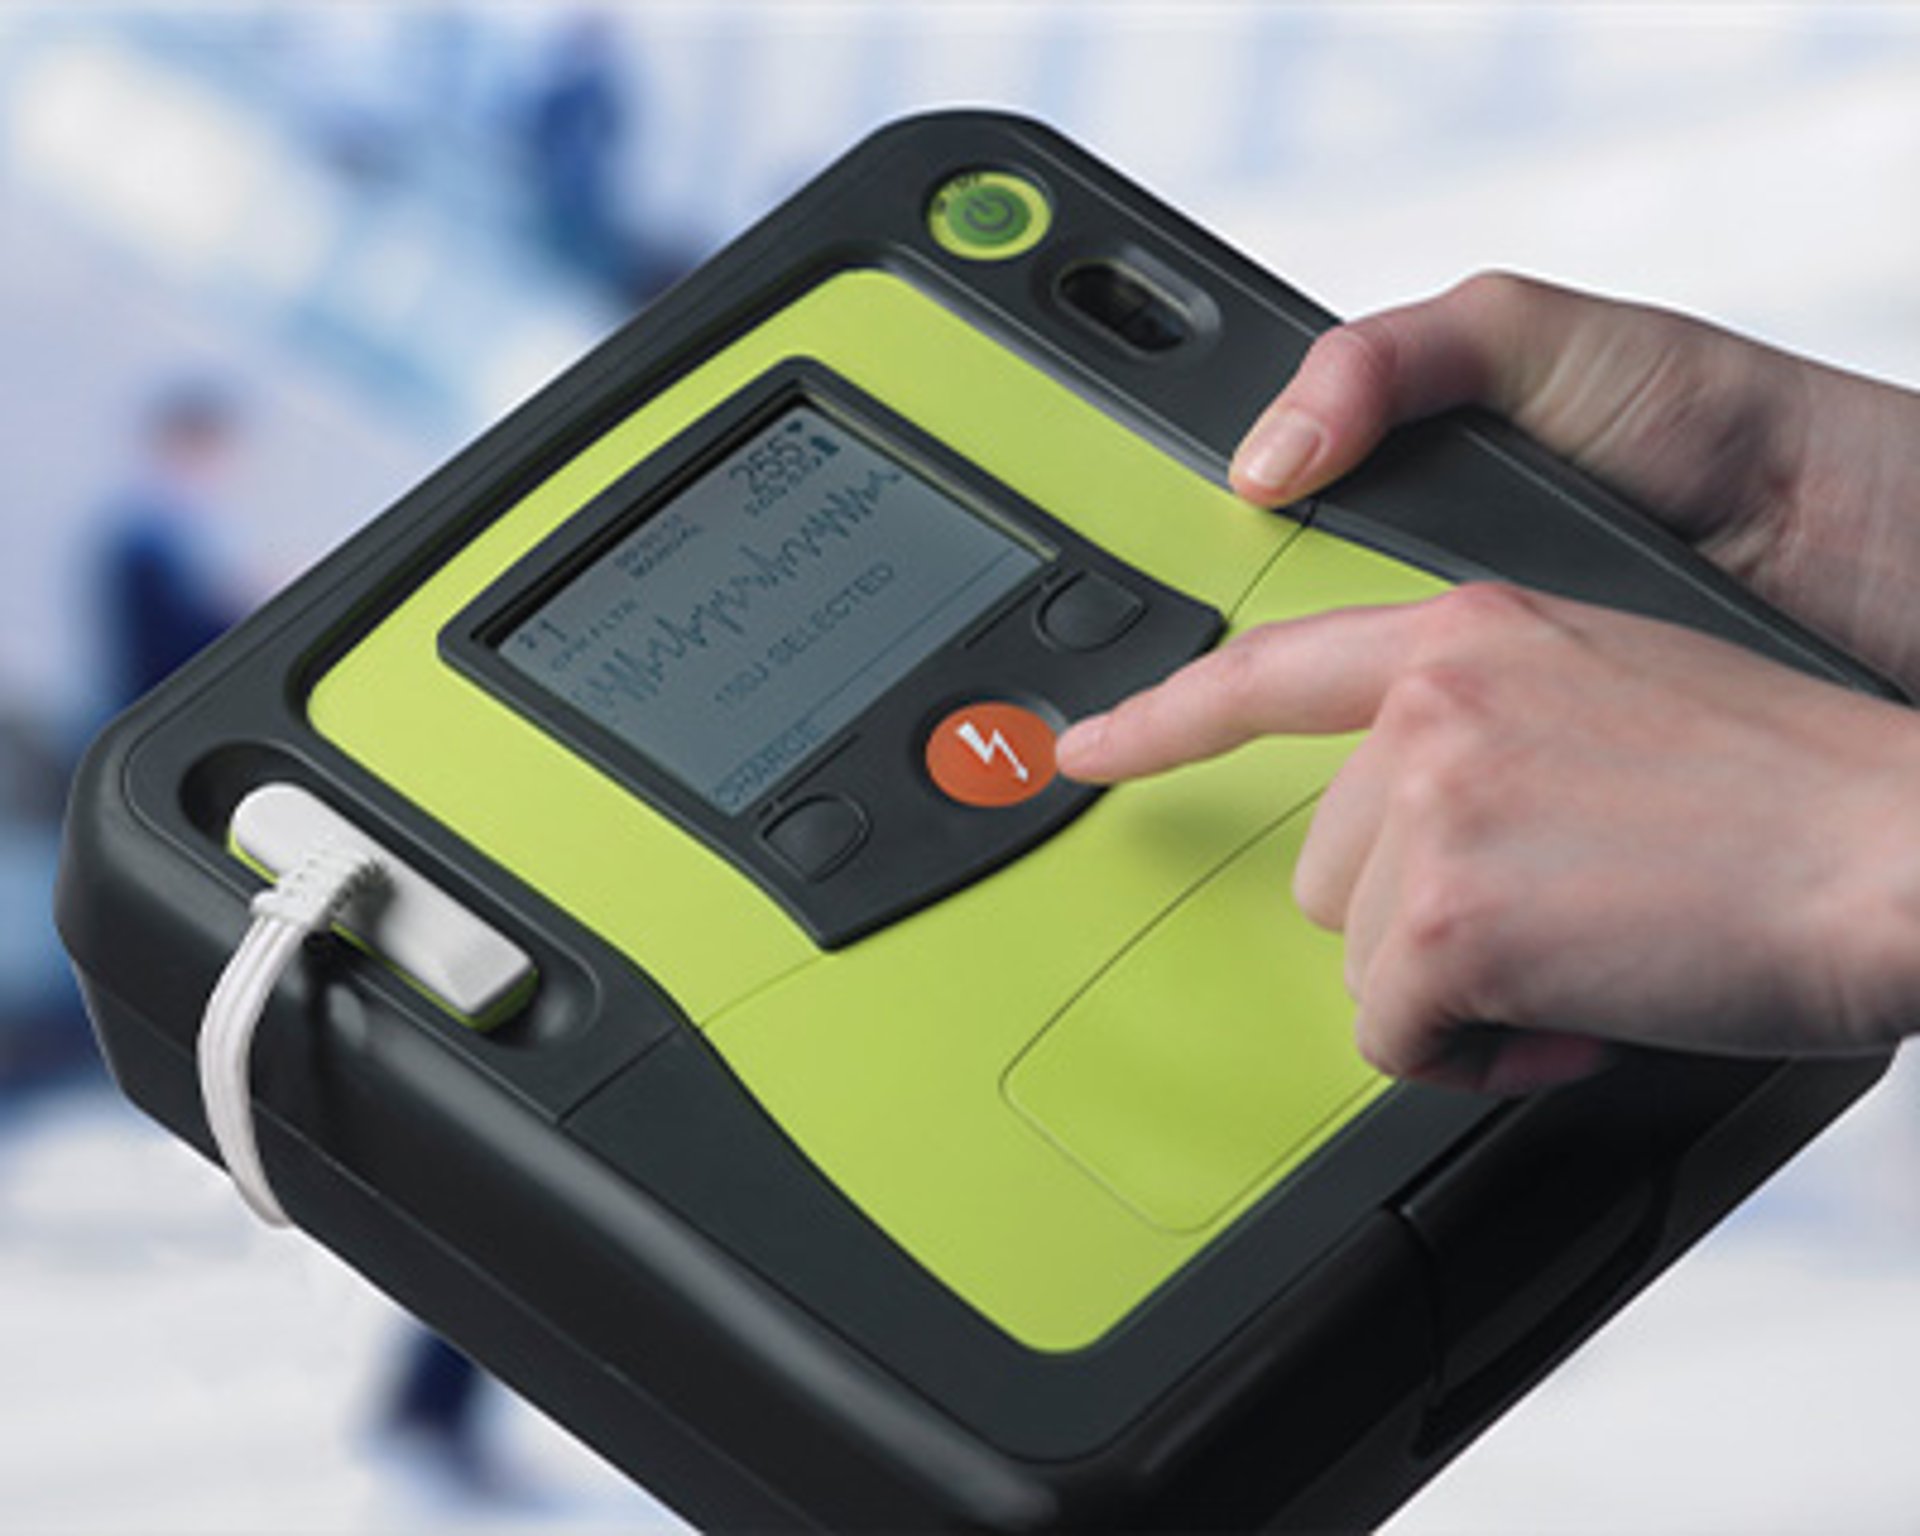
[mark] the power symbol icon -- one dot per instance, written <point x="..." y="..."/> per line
<point x="988" y="215"/>
<point x="993" y="212"/>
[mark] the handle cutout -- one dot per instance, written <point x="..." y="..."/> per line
<point x="1138" y="309"/>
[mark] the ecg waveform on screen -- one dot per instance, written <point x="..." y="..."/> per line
<point x="638" y="668"/>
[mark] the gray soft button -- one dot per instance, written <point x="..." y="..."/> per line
<point x="1089" y="612"/>
<point x="817" y="836"/>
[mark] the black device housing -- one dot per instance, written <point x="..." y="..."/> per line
<point x="588" y="1203"/>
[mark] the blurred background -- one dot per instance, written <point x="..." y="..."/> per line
<point x="262" y="267"/>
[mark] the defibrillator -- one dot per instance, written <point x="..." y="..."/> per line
<point x="761" y="1056"/>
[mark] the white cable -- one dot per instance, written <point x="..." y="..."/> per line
<point x="303" y="903"/>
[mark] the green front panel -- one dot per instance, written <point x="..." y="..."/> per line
<point x="934" y="1070"/>
<point x="1163" y="1082"/>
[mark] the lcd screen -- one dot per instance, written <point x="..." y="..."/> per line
<point x="759" y="610"/>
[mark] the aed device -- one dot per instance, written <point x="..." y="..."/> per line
<point x="783" y="1075"/>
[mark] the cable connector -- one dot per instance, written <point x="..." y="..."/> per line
<point x="305" y="901"/>
<point x="315" y="891"/>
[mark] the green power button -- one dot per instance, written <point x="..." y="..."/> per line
<point x="989" y="215"/>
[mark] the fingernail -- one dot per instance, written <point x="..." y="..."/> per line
<point x="1276" y="451"/>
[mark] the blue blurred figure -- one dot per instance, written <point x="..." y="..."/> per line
<point x="575" y="122"/>
<point x="163" y="592"/>
<point x="159" y="596"/>
<point x="579" y="129"/>
<point x="430" y="1430"/>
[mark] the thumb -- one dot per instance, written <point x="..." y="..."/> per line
<point x="1490" y="340"/>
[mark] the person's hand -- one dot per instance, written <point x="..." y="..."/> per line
<point x="1568" y="826"/>
<point x="1801" y="480"/>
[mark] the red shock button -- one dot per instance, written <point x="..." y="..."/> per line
<point x="991" y="754"/>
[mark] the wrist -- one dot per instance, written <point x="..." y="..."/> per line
<point x="1871" y="940"/>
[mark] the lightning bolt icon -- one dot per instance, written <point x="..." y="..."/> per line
<point x="986" y="748"/>
<point x="988" y="753"/>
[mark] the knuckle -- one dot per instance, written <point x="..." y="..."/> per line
<point x="1361" y="356"/>
<point x="1440" y="912"/>
<point x="1385" y="1049"/>
<point x="1451" y="712"/>
<point x="1375" y="1050"/>
<point x="1446" y="932"/>
<point x="1497" y="296"/>
<point x="1323" y="876"/>
<point x="1313" y="895"/>
<point x="1454" y="756"/>
<point x="1467" y="634"/>
<point x="1443" y="721"/>
<point x="1432" y="698"/>
<point x="1476" y="610"/>
<point x="1431" y="795"/>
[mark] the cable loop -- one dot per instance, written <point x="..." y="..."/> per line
<point x="305" y="901"/>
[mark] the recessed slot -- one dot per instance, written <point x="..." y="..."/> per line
<point x="1123" y="301"/>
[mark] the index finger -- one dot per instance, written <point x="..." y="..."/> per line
<point x="1318" y="676"/>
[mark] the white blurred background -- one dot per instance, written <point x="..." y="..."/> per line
<point x="350" y="236"/>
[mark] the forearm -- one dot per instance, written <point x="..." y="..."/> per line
<point x="1860" y="936"/>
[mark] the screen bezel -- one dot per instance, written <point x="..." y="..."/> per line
<point x="471" y="643"/>
<point x="708" y="750"/>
